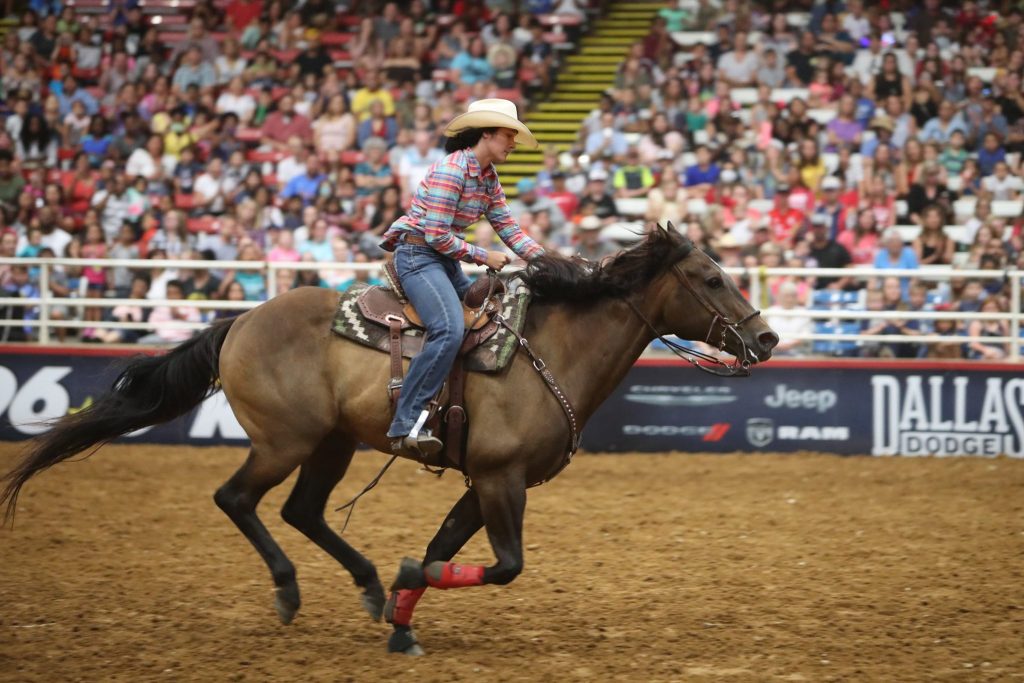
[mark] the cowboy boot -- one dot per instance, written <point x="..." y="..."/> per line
<point x="421" y="447"/>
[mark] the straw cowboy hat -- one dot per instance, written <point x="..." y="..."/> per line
<point x="493" y="113"/>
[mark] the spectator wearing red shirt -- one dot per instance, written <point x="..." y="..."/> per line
<point x="283" y="124"/>
<point x="567" y="201"/>
<point x="862" y="240"/>
<point x="783" y="220"/>
<point x="241" y="13"/>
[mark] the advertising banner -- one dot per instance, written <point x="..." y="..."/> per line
<point x="844" y="407"/>
<point x="35" y="387"/>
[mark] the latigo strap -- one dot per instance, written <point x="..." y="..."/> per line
<point x="395" y="384"/>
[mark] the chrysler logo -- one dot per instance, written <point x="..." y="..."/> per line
<point x="684" y="395"/>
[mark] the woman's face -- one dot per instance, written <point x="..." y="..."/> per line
<point x="499" y="144"/>
<point x="866" y="221"/>
<point x="337" y="105"/>
<point x="235" y="292"/>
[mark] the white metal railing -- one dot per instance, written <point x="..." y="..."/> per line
<point x="756" y="277"/>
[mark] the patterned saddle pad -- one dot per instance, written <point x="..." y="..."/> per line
<point x="493" y="355"/>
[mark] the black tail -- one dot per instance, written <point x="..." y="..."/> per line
<point x="150" y="390"/>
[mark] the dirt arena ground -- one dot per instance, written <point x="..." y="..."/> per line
<point x="643" y="568"/>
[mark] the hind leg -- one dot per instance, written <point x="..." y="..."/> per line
<point x="238" y="498"/>
<point x="305" y="511"/>
<point x="464" y="520"/>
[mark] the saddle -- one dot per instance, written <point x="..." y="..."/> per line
<point x="388" y="306"/>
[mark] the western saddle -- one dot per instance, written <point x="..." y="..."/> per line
<point x="388" y="306"/>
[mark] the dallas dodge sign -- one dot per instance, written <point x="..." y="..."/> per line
<point x="956" y="414"/>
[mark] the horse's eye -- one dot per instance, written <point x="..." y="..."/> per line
<point x="714" y="282"/>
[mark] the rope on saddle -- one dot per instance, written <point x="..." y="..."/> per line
<point x="552" y="384"/>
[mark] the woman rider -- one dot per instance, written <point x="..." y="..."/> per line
<point x="428" y="243"/>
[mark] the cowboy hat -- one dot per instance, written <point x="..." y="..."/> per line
<point x="493" y="113"/>
<point x="883" y="122"/>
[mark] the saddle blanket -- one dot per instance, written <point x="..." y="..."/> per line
<point x="493" y="355"/>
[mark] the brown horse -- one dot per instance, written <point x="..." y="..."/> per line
<point x="307" y="398"/>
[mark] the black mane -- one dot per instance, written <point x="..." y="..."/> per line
<point x="553" y="277"/>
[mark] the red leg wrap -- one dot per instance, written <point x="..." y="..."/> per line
<point x="405" y="603"/>
<point x="452" y="575"/>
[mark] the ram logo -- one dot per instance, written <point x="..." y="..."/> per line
<point x="760" y="431"/>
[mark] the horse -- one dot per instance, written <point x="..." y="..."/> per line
<point x="307" y="398"/>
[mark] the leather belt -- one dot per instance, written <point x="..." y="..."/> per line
<point x="414" y="240"/>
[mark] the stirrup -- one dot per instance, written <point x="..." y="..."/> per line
<point x="421" y="447"/>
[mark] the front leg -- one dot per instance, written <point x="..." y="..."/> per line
<point x="500" y="503"/>
<point x="458" y="527"/>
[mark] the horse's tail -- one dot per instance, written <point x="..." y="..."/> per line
<point x="150" y="390"/>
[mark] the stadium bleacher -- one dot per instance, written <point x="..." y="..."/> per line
<point x="671" y="75"/>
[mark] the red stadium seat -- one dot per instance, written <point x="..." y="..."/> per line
<point x="88" y="75"/>
<point x="202" y="224"/>
<point x="336" y="39"/>
<point x="168" y="21"/>
<point x="513" y="94"/>
<point x="171" y="37"/>
<point x="286" y="56"/>
<point x="264" y="157"/>
<point x="249" y="134"/>
<point x="351" y="157"/>
<point x="185" y="202"/>
<point x="559" y="20"/>
<point x="270" y="180"/>
<point x="66" y="154"/>
<point x="182" y="5"/>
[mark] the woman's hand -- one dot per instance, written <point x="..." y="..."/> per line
<point x="497" y="260"/>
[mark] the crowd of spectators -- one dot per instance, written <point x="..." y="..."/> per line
<point x="796" y="134"/>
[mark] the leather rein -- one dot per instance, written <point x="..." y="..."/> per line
<point x="720" y="323"/>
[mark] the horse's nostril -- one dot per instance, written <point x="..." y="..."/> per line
<point x="768" y="340"/>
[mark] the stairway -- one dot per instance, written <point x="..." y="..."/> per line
<point x="584" y="76"/>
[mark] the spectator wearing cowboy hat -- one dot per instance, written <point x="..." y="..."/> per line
<point x="591" y="245"/>
<point x="597" y="201"/>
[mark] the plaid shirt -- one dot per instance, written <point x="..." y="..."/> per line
<point x="453" y="196"/>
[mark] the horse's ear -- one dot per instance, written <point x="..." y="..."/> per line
<point x="670" y="227"/>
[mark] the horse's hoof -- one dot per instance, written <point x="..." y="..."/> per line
<point x="287" y="602"/>
<point x="403" y="642"/>
<point x="373" y="600"/>
<point x="410" y="575"/>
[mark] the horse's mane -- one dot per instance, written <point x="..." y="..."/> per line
<point x="553" y="277"/>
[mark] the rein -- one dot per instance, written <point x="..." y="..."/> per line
<point x="720" y="323"/>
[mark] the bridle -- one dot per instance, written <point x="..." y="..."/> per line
<point x="720" y="324"/>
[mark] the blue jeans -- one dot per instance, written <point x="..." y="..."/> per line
<point x="435" y="285"/>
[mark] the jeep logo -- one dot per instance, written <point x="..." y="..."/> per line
<point x="794" y="398"/>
